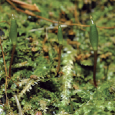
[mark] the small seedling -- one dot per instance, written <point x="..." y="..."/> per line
<point x="13" y="37"/>
<point x="94" y="43"/>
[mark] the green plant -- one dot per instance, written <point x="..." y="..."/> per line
<point x="13" y="38"/>
<point x="94" y="43"/>
<point x="60" y="39"/>
<point x="71" y="92"/>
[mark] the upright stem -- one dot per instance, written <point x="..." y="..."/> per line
<point x="59" y="58"/>
<point x="13" y="50"/>
<point x="94" y="69"/>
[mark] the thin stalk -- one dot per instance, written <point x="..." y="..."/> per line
<point x="94" y="69"/>
<point x="13" y="50"/>
<point x="5" y="73"/>
<point x="59" y="57"/>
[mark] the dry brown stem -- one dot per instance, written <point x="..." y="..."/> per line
<point x="26" y="6"/>
<point x="5" y="72"/>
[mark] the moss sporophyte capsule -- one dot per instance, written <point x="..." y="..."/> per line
<point x="13" y="38"/>
<point x="94" y="43"/>
<point x="93" y="34"/>
<point x="60" y="39"/>
<point x="60" y="35"/>
<point x="13" y="30"/>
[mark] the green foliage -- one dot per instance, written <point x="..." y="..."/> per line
<point x="71" y="91"/>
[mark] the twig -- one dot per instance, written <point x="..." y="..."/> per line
<point x="6" y="82"/>
<point x="106" y="27"/>
<point x="18" y="105"/>
<point x="5" y="72"/>
<point x="15" y="6"/>
<point x="29" y="13"/>
<point x="25" y="5"/>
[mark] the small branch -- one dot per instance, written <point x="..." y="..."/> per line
<point x="15" y="6"/>
<point x="18" y="105"/>
<point x="25" y="5"/>
<point x="106" y="27"/>
<point x="5" y="72"/>
<point x="29" y="13"/>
